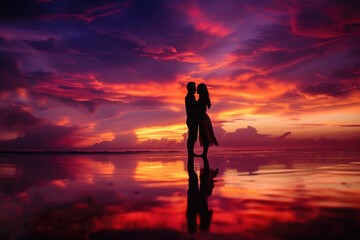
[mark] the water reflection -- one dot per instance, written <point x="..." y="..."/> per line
<point x="257" y="195"/>
<point x="197" y="198"/>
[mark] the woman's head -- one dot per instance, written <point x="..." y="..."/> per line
<point x="202" y="90"/>
<point x="204" y="94"/>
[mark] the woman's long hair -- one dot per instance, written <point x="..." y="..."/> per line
<point x="204" y="94"/>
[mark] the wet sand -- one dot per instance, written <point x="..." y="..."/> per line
<point x="284" y="194"/>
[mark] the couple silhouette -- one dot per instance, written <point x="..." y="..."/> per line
<point x="198" y="120"/>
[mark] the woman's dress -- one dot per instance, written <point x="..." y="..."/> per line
<point x="206" y="132"/>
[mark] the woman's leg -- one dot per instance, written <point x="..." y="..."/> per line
<point x="205" y="141"/>
<point x="205" y="150"/>
<point x="206" y="164"/>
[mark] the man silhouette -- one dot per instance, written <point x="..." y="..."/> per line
<point x="192" y="113"/>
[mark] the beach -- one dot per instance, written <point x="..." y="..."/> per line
<point x="254" y="194"/>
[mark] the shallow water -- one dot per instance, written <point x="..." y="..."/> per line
<point x="292" y="194"/>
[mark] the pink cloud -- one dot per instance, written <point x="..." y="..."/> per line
<point x="202" y="23"/>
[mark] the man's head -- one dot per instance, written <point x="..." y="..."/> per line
<point x="191" y="87"/>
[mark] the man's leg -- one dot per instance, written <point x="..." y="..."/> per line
<point x="192" y="137"/>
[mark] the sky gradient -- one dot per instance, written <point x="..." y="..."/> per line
<point x="111" y="75"/>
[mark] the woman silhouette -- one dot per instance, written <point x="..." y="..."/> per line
<point x="206" y="132"/>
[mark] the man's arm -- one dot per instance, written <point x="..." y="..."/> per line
<point x="192" y="104"/>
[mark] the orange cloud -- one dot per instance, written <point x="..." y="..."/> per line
<point x="158" y="132"/>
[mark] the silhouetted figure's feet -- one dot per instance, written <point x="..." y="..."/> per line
<point x="205" y="220"/>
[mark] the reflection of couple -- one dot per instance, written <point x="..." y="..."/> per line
<point x="198" y="119"/>
<point x="197" y="204"/>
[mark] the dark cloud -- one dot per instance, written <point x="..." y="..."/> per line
<point x="231" y="11"/>
<point x="84" y="10"/>
<point x="42" y="76"/>
<point x="313" y="17"/>
<point x="3" y="42"/>
<point x="313" y="32"/>
<point x="274" y="60"/>
<point x="49" y="45"/>
<point x="165" y="26"/>
<point x="243" y="136"/>
<point x="129" y="141"/>
<point x="249" y="136"/>
<point x="14" y="118"/>
<point x="110" y="110"/>
<point x="115" y="57"/>
<point x="46" y="137"/>
<point x="277" y="48"/>
<point x="273" y="37"/>
<point x="10" y="74"/>
<point x="162" y="143"/>
<point x="284" y="135"/>
<point x="21" y="9"/>
<point x="8" y="62"/>
<point x="151" y="70"/>
<point x="351" y="73"/>
<point x="89" y="106"/>
<point x="331" y="89"/>
<point x="67" y="87"/>
<point x="326" y="19"/>
<point x="121" y="141"/>
<point x="147" y="102"/>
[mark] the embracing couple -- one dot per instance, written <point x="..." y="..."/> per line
<point x="197" y="119"/>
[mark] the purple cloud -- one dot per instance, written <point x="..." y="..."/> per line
<point x="14" y="118"/>
<point x="46" y="137"/>
<point x="10" y="74"/>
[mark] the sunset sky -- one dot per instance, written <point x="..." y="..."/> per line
<point x="111" y="75"/>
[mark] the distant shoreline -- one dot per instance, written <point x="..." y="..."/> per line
<point x="81" y="152"/>
<point x="174" y="151"/>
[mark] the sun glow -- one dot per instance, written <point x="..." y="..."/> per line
<point x="235" y="113"/>
<point x="174" y="132"/>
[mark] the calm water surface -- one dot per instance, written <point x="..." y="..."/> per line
<point x="244" y="195"/>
